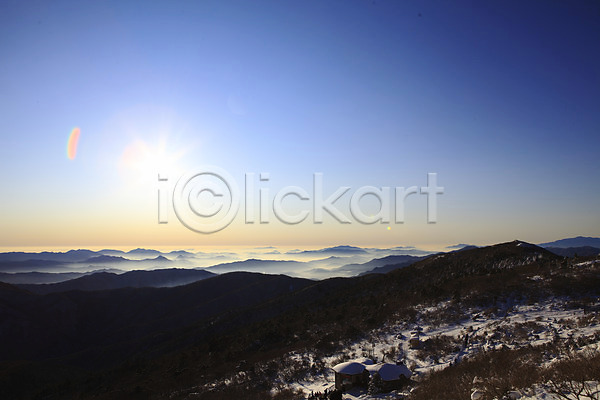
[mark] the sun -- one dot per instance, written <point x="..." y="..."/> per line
<point x="141" y="162"/>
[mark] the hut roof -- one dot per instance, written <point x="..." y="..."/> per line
<point x="389" y="372"/>
<point x="349" y="368"/>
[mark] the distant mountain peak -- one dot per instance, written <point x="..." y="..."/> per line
<point x="458" y="246"/>
<point x="341" y="249"/>
<point x="140" y="250"/>
<point x="578" y="241"/>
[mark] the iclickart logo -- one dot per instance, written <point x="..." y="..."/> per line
<point x="208" y="199"/>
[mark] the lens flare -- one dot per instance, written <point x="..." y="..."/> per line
<point x="72" y="143"/>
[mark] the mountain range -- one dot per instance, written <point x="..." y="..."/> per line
<point x="103" y="335"/>
<point x="343" y="261"/>
<point x="579" y="241"/>
<point x="131" y="279"/>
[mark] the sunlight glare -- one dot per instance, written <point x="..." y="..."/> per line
<point x="142" y="162"/>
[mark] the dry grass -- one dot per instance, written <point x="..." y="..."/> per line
<point x="506" y="370"/>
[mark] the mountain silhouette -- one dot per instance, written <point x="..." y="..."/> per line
<point x="579" y="241"/>
<point x="133" y="279"/>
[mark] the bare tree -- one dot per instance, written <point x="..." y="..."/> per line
<point x="576" y="377"/>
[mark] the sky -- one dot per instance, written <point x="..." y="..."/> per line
<point x="500" y="99"/>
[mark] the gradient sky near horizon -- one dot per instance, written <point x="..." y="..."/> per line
<point x="501" y="99"/>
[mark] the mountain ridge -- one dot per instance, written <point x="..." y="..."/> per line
<point x="577" y="241"/>
<point x="133" y="279"/>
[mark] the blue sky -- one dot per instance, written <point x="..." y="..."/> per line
<point x="501" y="99"/>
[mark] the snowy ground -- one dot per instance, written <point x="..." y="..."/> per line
<point x="516" y="326"/>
